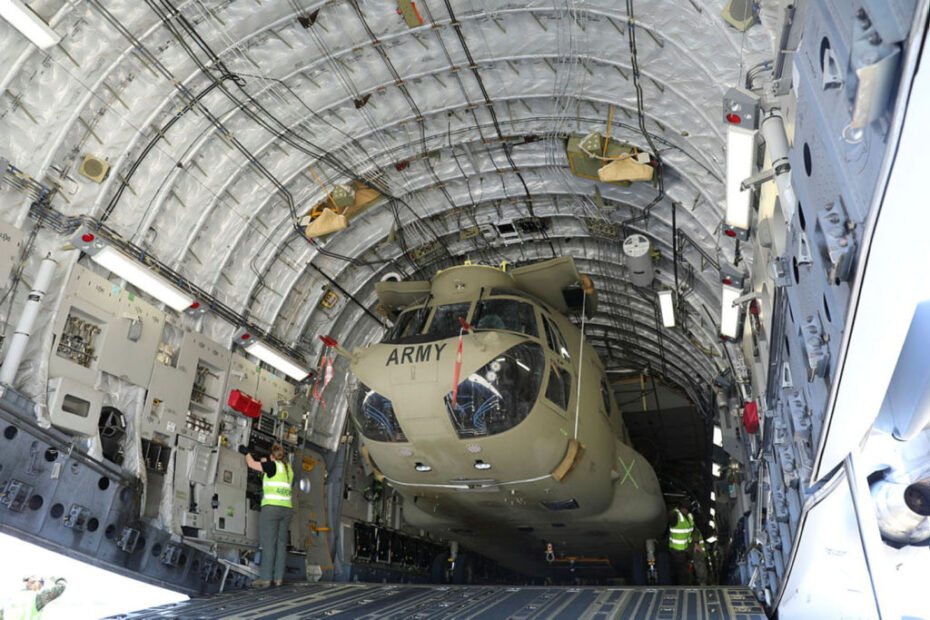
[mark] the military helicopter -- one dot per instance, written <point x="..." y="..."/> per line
<point x="492" y="416"/>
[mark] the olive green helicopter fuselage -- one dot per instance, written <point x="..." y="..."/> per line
<point x="529" y="447"/>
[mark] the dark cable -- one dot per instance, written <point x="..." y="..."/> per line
<point x="457" y="26"/>
<point x="634" y="64"/>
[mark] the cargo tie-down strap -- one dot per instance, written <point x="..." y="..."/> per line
<point x="325" y="371"/>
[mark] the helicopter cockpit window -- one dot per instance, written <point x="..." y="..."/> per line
<point x="500" y="394"/>
<point x="445" y="322"/>
<point x="374" y="415"/>
<point x="507" y="314"/>
<point x="555" y="339"/>
<point x="559" y="390"/>
<point x="409" y="323"/>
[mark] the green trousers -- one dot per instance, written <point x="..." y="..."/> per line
<point x="273" y="525"/>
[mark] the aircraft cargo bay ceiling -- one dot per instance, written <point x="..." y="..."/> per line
<point x="205" y="135"/>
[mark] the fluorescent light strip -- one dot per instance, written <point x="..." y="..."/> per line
<point x="28" y="23"/>
<point x="715" y="470"/>
<point x="740" y="162"/>
<point x="143" y="277"/>
<point x="718" y="436"/>
<point x="668" y="308"/>
<point x="729" y="314"/>
<point x="268" y="355"/>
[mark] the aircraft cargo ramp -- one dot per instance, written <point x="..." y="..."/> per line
<point x="341" y="600"/>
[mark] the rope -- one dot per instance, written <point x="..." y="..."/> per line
<point x="610" y="121"/>
<point x="584" y="299"/>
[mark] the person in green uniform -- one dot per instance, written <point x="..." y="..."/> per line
<point x="28" y="603"/>
<point x="275" y="518"/>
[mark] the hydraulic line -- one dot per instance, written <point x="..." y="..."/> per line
<point x="160" y="135"/>
<point x="27" y="318"/>
<point x="283" y="134"/>
<point x="195" y="101"/>
<point x="584" y="299"/>
<point x="329" y="279"/>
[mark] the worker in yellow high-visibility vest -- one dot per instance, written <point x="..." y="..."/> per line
<point x="685" y="545"/>
<point x="275" y="517"/>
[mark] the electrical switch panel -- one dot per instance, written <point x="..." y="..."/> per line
<point x="228" y="497"/>
<point x="164" y="413"/>
<point x="206" y="363"/>
<point x="78" y="341"/>
<point x="195" y="469"/>
<point x="155" y="455"/>
<point x="186" y="392"/>
<point x="103" y="327"/>
<point x="132" y="338"/>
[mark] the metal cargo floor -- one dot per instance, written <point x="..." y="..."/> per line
<point x="415" y="602"/>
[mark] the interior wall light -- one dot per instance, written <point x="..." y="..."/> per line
<point x="713" y="496"/>
<point x="718" y="436"/>
<point x="28" y="23"/>
<point x="741" y="113"/>
<point x="740" y="162"/>
<point x="131" y="270"/>
<point x="729" y="313"/>
<point x="715" y="469"/>
<point x="286" y="364"/>
<point x="711" y="539"/>
<point x="667" y="306"/>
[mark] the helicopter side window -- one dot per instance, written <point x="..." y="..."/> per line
<point x="506" y="314"/>
<point x="550" y="336"/>
<point x="409" y="323"/>
<point x="445" y="322"/>
<point x="555" y="339"/>
<point x="559" y="390"/>
<point x="605" y="394"/>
